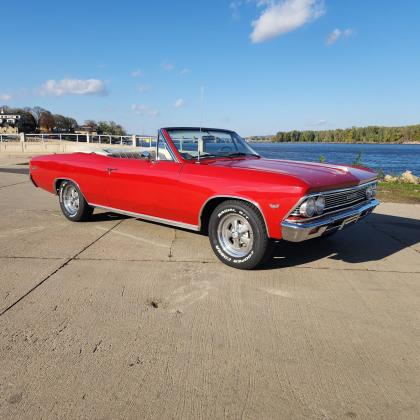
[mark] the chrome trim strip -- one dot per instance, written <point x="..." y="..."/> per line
<point x="234" y="197"/>
<point x="148" y="217"/>
<point x="327" y="211"/>
<point x="301" y="231"/>
<point x="331" y="213"/>
<point x="171" y="152"/>
<point x="359" y="186"/>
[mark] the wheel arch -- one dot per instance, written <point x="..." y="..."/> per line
<point x="58" y="182"/>
<point x="211" y="203"/>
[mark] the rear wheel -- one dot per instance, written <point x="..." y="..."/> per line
<point x="238" y="235"/>
<point x="72" y="203"/>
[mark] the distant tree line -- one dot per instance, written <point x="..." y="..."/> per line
<point x="37" y="119"/>
<point x="371" y="134"/>
<point x="105" y="127"/>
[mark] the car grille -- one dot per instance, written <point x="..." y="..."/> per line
<point x="339" y="199"/>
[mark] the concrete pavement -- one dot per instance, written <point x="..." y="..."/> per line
<point x="119" y="318"/>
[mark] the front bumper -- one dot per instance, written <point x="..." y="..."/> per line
<point x="298" y="231"/>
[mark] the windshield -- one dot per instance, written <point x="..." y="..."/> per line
<point x="214" y="143"/>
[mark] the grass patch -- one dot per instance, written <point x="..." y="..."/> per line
<point x="398" y="192"/>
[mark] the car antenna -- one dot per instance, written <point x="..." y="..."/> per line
<point x="200" y="140"/>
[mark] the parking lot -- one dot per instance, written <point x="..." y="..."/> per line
<point x="119" y="318"/>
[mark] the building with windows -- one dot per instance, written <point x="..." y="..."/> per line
<point x="9" y="122"/>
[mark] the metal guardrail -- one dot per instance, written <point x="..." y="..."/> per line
<point x="133" y="140"/>
<point x="8" y="138"/>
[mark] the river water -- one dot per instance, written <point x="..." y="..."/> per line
<point x="390" y="158"/>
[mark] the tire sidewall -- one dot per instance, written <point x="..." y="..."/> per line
<point x="256" y="254"/>
<point x="77" y="216"/>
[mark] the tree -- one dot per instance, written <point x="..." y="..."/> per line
<point x="91" y="124"/>
<point x="64" y="124"/>
<point x="27" y="123"/>
<point x="111" y="127"/>
<point x="70" y="124"/>
<point x="36" y="112"/>
<point x="46" y="122"/>
<point x="371" y="134"/>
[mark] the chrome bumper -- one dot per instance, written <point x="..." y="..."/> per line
<point x="297" y="231"/>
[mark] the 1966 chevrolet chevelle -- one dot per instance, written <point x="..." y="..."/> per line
<point x="211" y="180"/>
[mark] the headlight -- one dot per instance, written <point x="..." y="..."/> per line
<point x="374" y="190"/>
<point x="319" y="204"/>
<point x="370" y="192"/>
<point x="307" y="209"/>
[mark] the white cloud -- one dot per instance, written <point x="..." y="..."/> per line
<point x="139" y="109"/>
<point x="320" y="122"/>
<point x="280" y="17"/>
<point x="136" y="73"/>
<point x="168" y="66"/>
<point x="179" y="103"/>
<point x="144" y="110"/>
<point x="336" y="34"/>
<point x="73" y="87"/>
<point x="143" y="88"/>
<point x="153" y="113"/>
<point x="184" y="71"/>
<point x="234" y="8"/>
<point x="5" y="96"/>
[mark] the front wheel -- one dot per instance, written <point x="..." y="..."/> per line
<point x="238" y="234"/>
<point x="72" y="203"/>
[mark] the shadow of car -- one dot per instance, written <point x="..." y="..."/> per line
<point x="373" y="239"/>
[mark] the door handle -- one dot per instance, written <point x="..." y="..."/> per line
<point x="111" y="170"/>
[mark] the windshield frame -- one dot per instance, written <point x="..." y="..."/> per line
<point x="250" y="152"/>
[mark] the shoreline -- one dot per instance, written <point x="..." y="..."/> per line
<point x="413" y="143"/>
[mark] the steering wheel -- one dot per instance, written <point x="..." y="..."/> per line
<point x="226" y="149"/>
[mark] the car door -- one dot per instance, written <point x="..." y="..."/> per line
<point x="164" y="176"/>
<point x="129" y="185"/>
<point x="145" y="186"/>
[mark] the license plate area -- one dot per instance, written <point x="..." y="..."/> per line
<point x="349" y="220"/>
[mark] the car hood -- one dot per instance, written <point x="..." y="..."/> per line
<point x="318" y="176"/>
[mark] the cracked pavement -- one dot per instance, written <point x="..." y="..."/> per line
<point x="120" y="318"/>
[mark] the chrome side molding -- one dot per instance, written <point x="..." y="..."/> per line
<point x="148" y="217"/>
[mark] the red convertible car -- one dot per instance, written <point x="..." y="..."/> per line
<point x="211" y="180"/>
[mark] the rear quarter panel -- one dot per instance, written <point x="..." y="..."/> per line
<point x="88" y="171"/>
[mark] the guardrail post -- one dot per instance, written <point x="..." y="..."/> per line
<point x="22" y="137"/>
<point x="134" y="140"/>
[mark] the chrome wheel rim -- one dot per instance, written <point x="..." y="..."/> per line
<point x="235" y="235"/>
<point x="70" y="197"/>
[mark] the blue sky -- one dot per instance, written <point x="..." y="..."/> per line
<point x="256" y="66"/>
